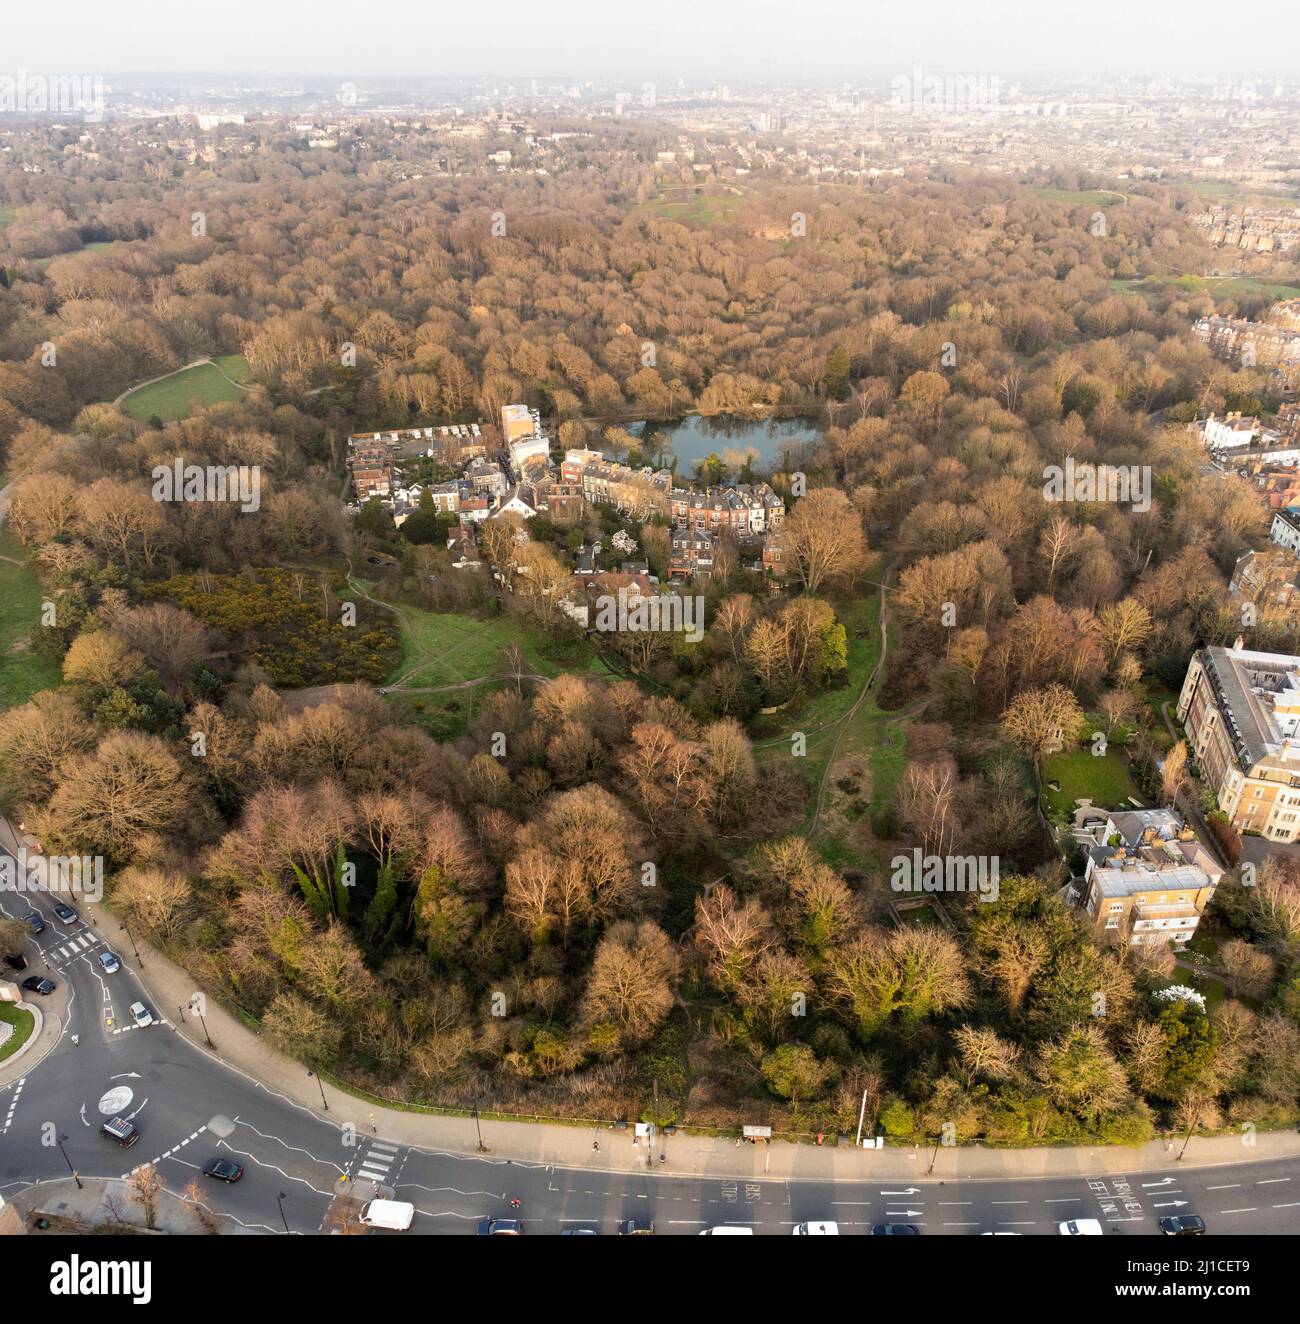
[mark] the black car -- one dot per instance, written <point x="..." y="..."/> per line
<point x="223" y="1169"/>
<point x="35" y="984"/>
<point x="895" y="1230"/>
<point x="16" y="961"/>
<point x="636" y="1227"/>
<point x="1183" y="1225"/>
<point x="34" y="921"/>
<point x="64" y="913"/>
<point x="501" y="1227"/>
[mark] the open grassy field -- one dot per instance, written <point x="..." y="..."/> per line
<point x="7" y="213"/>
<point x="1227" y="193"/>
<point x="702" y="209"/>
<point x="22" y="672"/>
<point x="1149" y="287"/>
<point x="870" y="754"/>
<point x="1090" y="198"/>
<point x="177" y="396"/>
<point x="1083" y="775"/>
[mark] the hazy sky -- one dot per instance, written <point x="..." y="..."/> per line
<point x="770" y="39"/>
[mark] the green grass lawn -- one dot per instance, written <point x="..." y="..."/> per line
<point x="7" y="214"/>
<point x="177" y="396"/>
<point x="1230" y="194"/>
<point x="22" y="672"/>
<point x="1091" y="198"/>
<point x="448" y="648"/>
<point x="872" y="735"/>
<point x="22" y="1020"/>
<point x="703" y="209"/>
<point x="1083" y="775"/>
<point x="1150" y="287"/>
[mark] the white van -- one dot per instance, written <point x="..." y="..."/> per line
<point x="724" y="1230"/>
<point x="395" y="1215"/>
<point x="816" y="1229"/>
<point x="1080" y="1227"/>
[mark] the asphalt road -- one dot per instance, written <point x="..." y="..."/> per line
<point x="190" y="1107"/>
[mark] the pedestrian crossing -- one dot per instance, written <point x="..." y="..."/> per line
<point x="80" y="944"/>
<point x="376" y="1163"/>
<point x="13" y="1103"/>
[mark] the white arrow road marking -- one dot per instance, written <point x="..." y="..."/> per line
<point x="1168" y="1204"/>
<point x="904" y="1213"/>
<point x="1165" y="1182"/>
<point x="911" y="1190"/>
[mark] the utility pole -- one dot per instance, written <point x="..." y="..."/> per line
<point x="862" y="1112"/>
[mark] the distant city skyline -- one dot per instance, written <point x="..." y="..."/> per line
<point x="759" y="41"/>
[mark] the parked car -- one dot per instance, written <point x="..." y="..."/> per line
<point x="34" y="921"/>
<point x="109" y="963"/>
<point x="579" y="1232"/>
<point x="120" y="1132"/>
<point x="636" y="1227"/>
<point x="501" y="1227"/>
<point x="16" y="961"/>
<point x="1080" y="1227"/>
<point x="223" y="1169"/>
<point x="141" y="1014"/>
<point x="64" y="913"/>
<point x="895" y="1230"/>
<point x="727" y="1230"/>
<point x="1183" y="1225"/>
<point x="37" y="984"/>
<point x="816" y="1229"/>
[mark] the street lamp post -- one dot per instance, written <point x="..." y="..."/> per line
<point x="482" y="1148"/>
<point x="203" y="1020"/>
<point x="139" y="960"/>
<point x="320" y="1083"/>
<point x="68" y="1161"/>
<point x="1196" y="1117"/>
<point x="934" y="1157"/>
<point x="280" y="1201"/>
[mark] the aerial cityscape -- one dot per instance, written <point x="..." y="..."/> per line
<point x="680" y="630"/>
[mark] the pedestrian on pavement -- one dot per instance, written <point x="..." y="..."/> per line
<point x="595" y="1144"/>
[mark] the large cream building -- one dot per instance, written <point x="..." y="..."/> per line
<point x="1242" y="714"/>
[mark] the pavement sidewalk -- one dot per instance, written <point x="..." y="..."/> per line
<point x="691" y="1155"/>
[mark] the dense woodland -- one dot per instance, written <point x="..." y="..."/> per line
<point x="599" y="895"/>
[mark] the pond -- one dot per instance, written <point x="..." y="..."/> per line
<point x="682" y="442"/>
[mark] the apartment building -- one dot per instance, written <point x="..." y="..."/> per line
<point x="745" y="511"/>
<point x="1285" y="530"/>
<point x="1265" y="345"/>
<point x="1268" y="579"/>
<point x="1242" y="713"/>
<point x="1230" y="431"/>
<point x="1148" y="879"/>
<point x="692" y="554"/>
